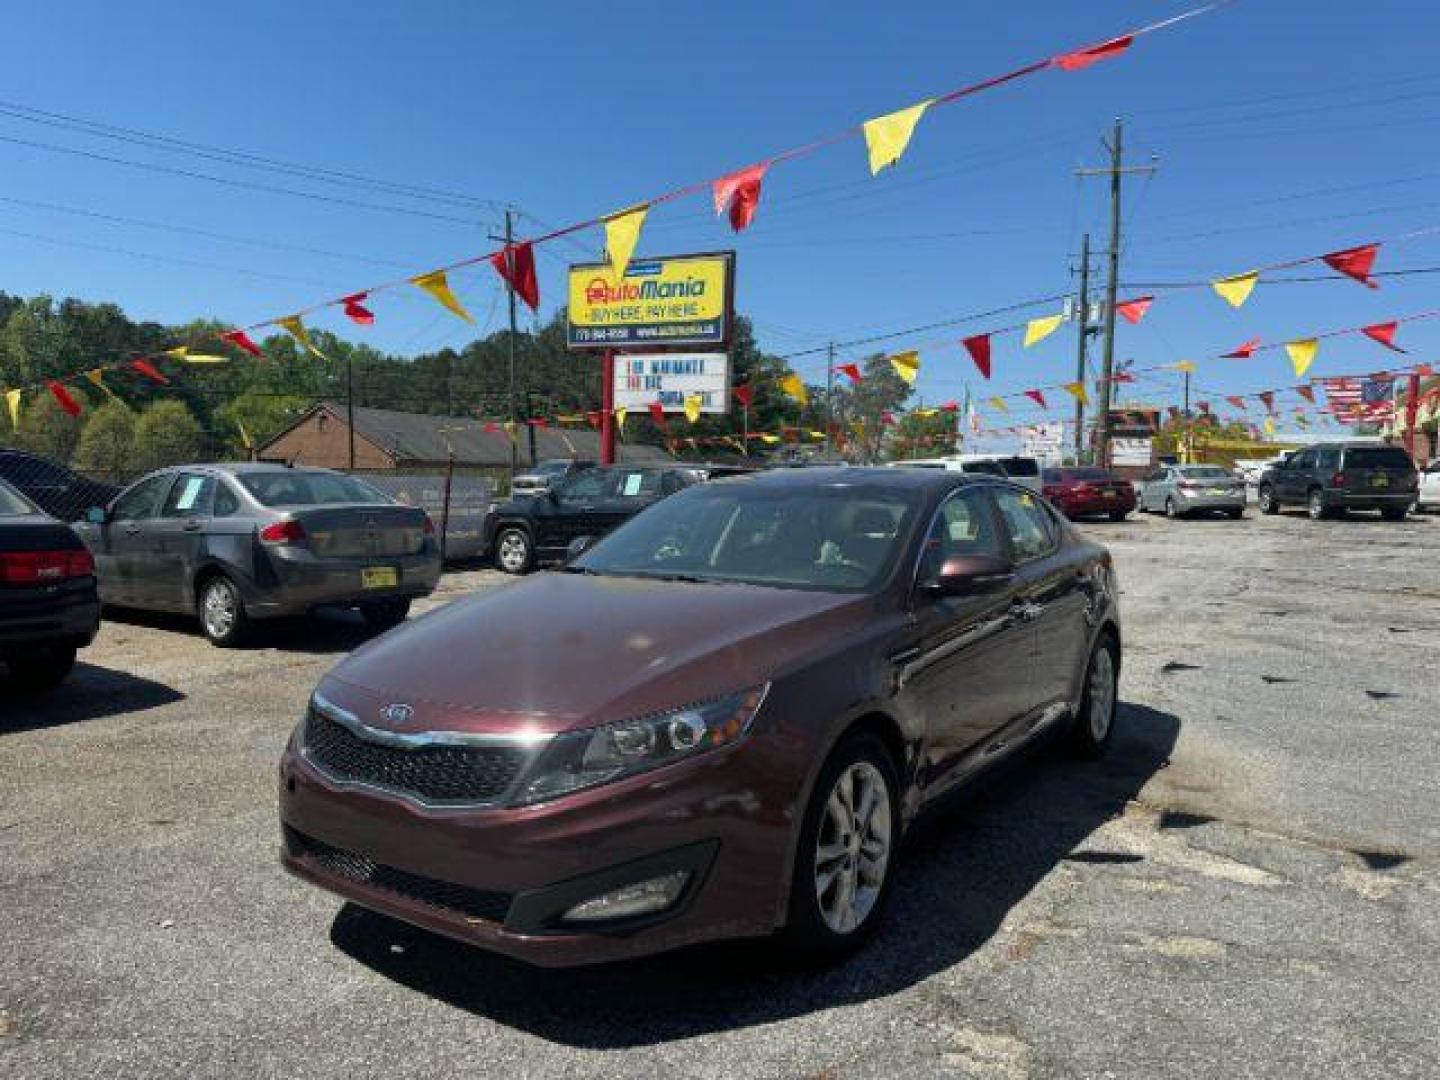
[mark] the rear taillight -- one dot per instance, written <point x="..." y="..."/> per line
<point x="283" y="532"/>
<point x="429" y="526"/>
<point x="1188" y="485"/>
<point x="1338" y="480"/>
<point x="44" y="567"/>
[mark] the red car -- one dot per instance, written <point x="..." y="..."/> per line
<point x="1089" y="492"/>
<point x="717" y="722"/>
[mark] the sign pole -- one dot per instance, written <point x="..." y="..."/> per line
<point x="607" y="408"/>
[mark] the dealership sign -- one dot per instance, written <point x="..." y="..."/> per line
<point x="669" y="378"/>
<point x="1132" y="452"/>
<point x="673" y="300"/>
<point x="1043" y="441"/>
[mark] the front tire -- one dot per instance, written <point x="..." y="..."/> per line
<point x="1315" y="505"/>
<point x="1268" y="503"/>
<point x="222" y="612"/>
<point x="1094" y="723"/>
<point x="514" y="553"/>
<point x="42" y="669"/>
<point x="844" y="865"/>
<point x="1171" y="511"/>
<point x="1393" y="513"/>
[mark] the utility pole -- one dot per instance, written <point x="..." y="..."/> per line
<point x="829" y="396"/>
<point x="509" y="239"/>
<point x="1081" y="344"/>
<point x="350" y="403"/>
<point x="1186" y="409"/>
<point x="1116" y="172"/>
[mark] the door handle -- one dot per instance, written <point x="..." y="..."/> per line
<point x="131" y="530"/>
<point x="191" y="526"/>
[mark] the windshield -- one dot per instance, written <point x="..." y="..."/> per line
<point x="1376" y="457"/>
<point x="295" y="488"/>
<point x="1205" y="472"/>
<point x="824" y="539"/>
<point x="12" y="503"/>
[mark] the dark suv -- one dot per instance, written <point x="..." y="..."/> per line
<point x="1329" y="480"/>
<point x="584" y="506"/>
<point x="62" y="493"/>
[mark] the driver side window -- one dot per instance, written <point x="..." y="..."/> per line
<point x="584" y="488"/>
<point x="963" y="526"/>
<point x="141" y="501"/>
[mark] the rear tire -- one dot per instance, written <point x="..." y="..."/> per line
<point x="221" y="612"/>
<point x="1094" y="722"/>
<point x="41" y="669"/>
<point x="382" y="615"/>
<point x="514" y="552"/>
<point x="1268" y="503"/>
<point x="845" y="862"/>
<point x="1393" y="513"/>
<point x="1170" y="509"/>
<point x="1315" y="505"/>
<point x="1119" y="515"/>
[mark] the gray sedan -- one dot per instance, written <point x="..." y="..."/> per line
<point x="1182" y="490"/>
<point x="236" y="543"/>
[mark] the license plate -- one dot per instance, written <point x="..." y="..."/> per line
<point x="1219" y="491"/>
<point x="1107" y="494"/>
<point x="1380" y="481"/>
<point x="379" y="577"/>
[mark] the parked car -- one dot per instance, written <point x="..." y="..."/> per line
<point x="586" y="505"/>
<point x="546" y="475"/>
<point x="717" y="722"/>
<point x="1089" y="492"/>
<point x="1427" y="496"/>
<point x="59" y="491"/>
<point x="1184" y="490"/>
<point x="1336" y="477"/>
<point x="48" y="605"/>
<point x="1025" y="471"/>
<point x="234" y="544"/>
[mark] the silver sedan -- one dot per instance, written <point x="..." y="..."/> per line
<point x="1182" y="490"/>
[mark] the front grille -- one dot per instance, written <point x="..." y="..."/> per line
<point x="435" y="774"/>
<point x="441" y="895"/>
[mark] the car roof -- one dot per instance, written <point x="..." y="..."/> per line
<point x="857" y="476"/>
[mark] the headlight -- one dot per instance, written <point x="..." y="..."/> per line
<point x="583" y="759"/>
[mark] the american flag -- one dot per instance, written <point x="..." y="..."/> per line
<point x="1355" y="401"/>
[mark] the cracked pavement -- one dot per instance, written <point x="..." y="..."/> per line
<point x="1246" y="886"/>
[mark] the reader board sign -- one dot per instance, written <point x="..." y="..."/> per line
<point x="666" y="301"/>
<point x="1132" y="452"/>
<point x="669" y="378"/>
<point x="1043" y="441"/>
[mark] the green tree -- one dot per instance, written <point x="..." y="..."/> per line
<point x="258" y="415"/>
<point x="107" y="443"/>
<point x="167" y="434"/>
<point x="47" y="429"/>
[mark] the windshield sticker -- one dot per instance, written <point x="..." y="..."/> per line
<point x="191" y="492"/>
<point x="632" y="484"/>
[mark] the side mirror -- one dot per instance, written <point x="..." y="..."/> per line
<point x="578" y="547"/>
<point x="96" y="515"/>
<point x="971" y="575"/>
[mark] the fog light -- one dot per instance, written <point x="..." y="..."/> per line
<point x="642" y="898"/>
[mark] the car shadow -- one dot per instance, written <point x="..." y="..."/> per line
<point x="330" y="630"/>
<point x="89" y="692"/>
<point x="965" y="866"/>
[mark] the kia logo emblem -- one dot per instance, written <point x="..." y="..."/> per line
<point x="398" y="714"/>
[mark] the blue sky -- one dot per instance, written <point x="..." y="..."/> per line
<point x="1281" y="129"/>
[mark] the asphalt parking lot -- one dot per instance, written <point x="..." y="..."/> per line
<point x="1248" y="886"/>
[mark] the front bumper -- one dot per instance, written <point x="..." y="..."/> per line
<point x="65" y="614"/>
<point x="296" y="582"/>
<point x="500" y="878"/>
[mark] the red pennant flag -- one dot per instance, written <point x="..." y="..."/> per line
<point x="1238" y="402"/>
<point x="516" y="266"/>
<point x="743" y="395"/>
<point x="1132" y="311"/>
<point x="538" y="421"/>
<point x="741" y="192"/>
<point x="1037" y="397"/>
<point x="1423" y="370"/>
<point x="950" y="406"/>
<point x="357" y="311"/>
<point x="1204" y="407"/>
<point x="887" y="419"/>
<point x="1121" y="376"/>
<point x="144" y="367"/>
<point x="241" y="340"/>
<point x="1268" y="397"/>
<point x="657" y="414"/>
<point x="1355" y="263"/>
<point x="1174" y="412"/>
<point x="1384" y="333"/>
<point x="1083" y="58"/>
<point x="979" y="349"/>
<point x="492" y="428"/>
<point x="1244" y="352"/>
<point x="1307" y="392"/>
<point x="850" y="371"/>
<point x="68" y="403"/>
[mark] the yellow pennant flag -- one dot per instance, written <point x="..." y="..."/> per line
<point x="12" y="402"/>
<point x="886" y="137"/>
<point x="1302" y="354"/>
<point x="622" y="233"/>
<point x="925" y="414"/>
<point x="292" y="325"/>
<point x="244" y="436"/>
<point x="1183" y="365"/>
<point x="1077" y="391"/>
<point x="183" y="353"/>
<point x="509" y="427"/>
<point x="97" y="380"/>
<point x="998" y="403"/>
<point x="1269" y="425"/>
<point x="692" y="407"/>
<point x="906" y="365"/>
<point x="620" y="415"/>
<point x="770" y="440"/>
<point x="438" y="286"/>
<point x="1040" y="329"/>
<point x="793" y="385"/>
<point x="1236" y="290"/>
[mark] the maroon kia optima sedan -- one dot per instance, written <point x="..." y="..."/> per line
<point x="716" y="723"/>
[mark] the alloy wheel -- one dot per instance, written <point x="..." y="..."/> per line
<point x="218" y="608"/>
<point x="852" y="852"/>
<point x="514" y="551"/>
<point x="1317" y="505"/>
<point x="1101" y="694"/>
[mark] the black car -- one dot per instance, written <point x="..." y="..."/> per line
<point x="1331" y="479"/>
<point x="49" y="607"/>
<point x="585" y="506"/>
<point x="60" y="492"/>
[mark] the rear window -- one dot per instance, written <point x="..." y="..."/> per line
<point x="294" y="488"/>
<point x="1020" y="466"/>
<point x="1085" y="474"/>
<point x="1205" y="472"/>
<point x="989" y="468"/>
<point x="1376" y="457"/>
<point x="11" y="503"/>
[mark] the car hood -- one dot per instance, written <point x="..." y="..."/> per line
<point x="558" y="651"/>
